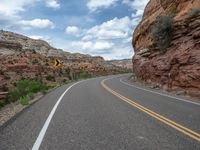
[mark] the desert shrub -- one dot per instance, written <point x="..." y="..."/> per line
<point x="60" y="73"/>
<point x="64" y="80"/>
<point x="50" y="77"/>
<point x="67" y="70"/>
<point x="34" y="61"/>
<point x="24" y="100"/>
<point x="162" y="32"/>
<point x="2" y="104"/>
<point x="30" y="95"/>
<point x="84" y="76"/>
<point x="4" y="88"/>
<point x="10" y="62"/>
<point x="1" y="72"/>
<point x="26" y="88"/>
<point x="194" y="12"/>
<point x="6" y="77"/>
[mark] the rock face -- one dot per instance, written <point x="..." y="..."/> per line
<point x="179" y="67"/>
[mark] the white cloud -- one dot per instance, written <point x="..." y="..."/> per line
<point x="112" y="29"/>
<point x="72" y="30"/>
<point x="36" y="23"/>
<point x="93" y="46"/>
<point x="36" y="37"/>
<point x="111" y="39"/>
<point x="10" y="13"/>
<point x="93" y="5"/>
<point x="8" y="8"/>
<point x="52" y="4"/>
<point x="102" y="45"/>
<point x="137" y="5"/>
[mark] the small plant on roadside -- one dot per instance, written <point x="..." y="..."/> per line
<point x="162" y="32"/>
<point x="64" y="80"/>
<point x="30" y="95"/>
<point x="24" y="101"/>
<point x="26" y="88"/>
<point x="84" y="75"/>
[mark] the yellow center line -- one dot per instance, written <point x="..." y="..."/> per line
<point x="155" y="115"/>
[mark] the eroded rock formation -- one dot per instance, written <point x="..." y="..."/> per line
<point x="179" y="67"/>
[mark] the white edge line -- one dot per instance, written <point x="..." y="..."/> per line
<point x="159" y="93"/>
<point x="41" y="135"/>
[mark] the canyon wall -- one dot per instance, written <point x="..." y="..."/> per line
<point x="178" y="68"/>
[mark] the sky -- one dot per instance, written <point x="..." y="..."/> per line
<point x="96" y="27"/>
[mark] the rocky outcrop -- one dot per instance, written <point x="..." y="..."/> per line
<point x="10" y="45"/>
<point x="179" y="67"/>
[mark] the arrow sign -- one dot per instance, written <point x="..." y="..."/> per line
<point x="57" y="63"/>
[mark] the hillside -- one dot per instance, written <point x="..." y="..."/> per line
<point x="25" y="58"/>
<point x="167" y="45"/>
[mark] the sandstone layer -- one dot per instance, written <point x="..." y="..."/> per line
<point x="179" y="67"/>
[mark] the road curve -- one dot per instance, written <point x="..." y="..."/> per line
<point x="104" y="113"/>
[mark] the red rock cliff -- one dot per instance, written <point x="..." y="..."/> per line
<point x="179" y="67"/>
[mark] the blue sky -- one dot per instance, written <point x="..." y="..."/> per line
<point x="95" y="27"/>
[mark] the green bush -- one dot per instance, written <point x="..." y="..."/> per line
<point x="2" y="104"/>
<point x="1" y="72"/>
<point x="4" y="88"/>
<point x="30" y="95"/>
<point x="6" y="77"/>
<point x="84" y="76"/>
<point x="162" y="32"/>
<point x="34" y="61"/>
<point x="24" y="101"/>
<point x="26" y="88"/>
<point x="194" y="12"/>
<point x="64" y="80"/>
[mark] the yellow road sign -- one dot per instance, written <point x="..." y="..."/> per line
<point x="57" y="63"/>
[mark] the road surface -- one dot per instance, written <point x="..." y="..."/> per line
<point x="105" y="113"/>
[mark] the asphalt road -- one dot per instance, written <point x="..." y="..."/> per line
<point x="105" y="113"/>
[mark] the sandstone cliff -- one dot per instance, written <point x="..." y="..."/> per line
<point x="179" y="67"/>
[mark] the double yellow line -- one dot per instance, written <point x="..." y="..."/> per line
<point x="153" y="114"/>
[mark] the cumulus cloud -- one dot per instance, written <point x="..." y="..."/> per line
<point x="116" y="28"/>
<point x="36" y="23"/>
<point x="93" y="5"/>
<point x="93" y="46"/>
<point x="10" y="14"/>
<point x="111" y="39"/>
<point x="72" y="30"/>
<point x="52" y="4"/>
